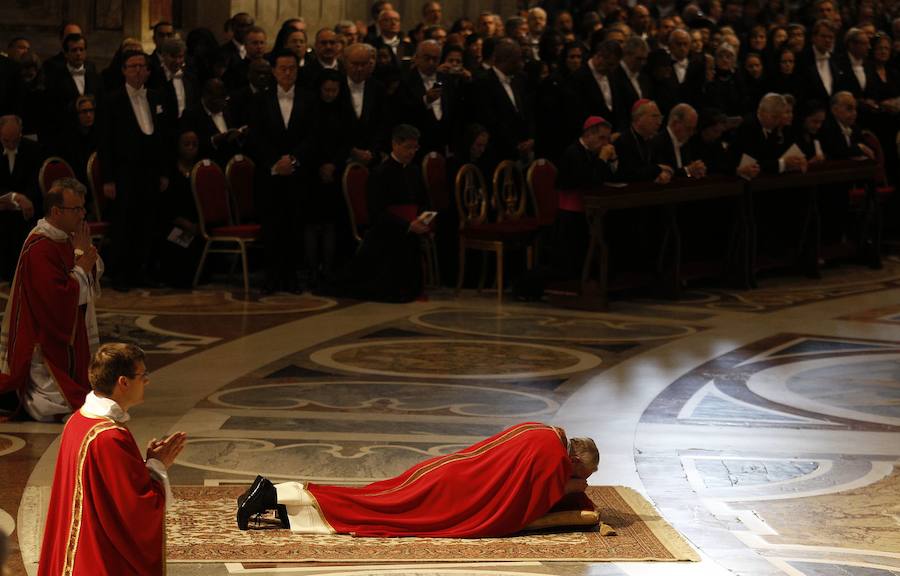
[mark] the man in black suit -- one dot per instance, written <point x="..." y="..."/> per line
<point x="282" y="136"/>
<point x="821" y="75"/>
<point x="132" y="159"/>
<point x="498" y="102"/>
<point x="429" y="100"/>
<point x="219" y="135"/>
<point x="855" y="68"/>
<point x="363" y="105"/>
<point x="20" y="196"/>
<point x="841" y="136"/>
<point x="389" y="36"/>
<point x="598" y="94"/>
<point x="76" y="77"/>
<point x="678" y="75"/>
<point x="162" y="31"/>
<point x="762" y="139"/>
<point x="234" y="51"/>
<point x="240" y="101"/>
<point x="235" y="76"/>
<point x="630" y="77"/>
<point x="637" y="158"/>
<point x="59" y="59"/>
<point x="674" y="147"/>
<point x="179" y="85"/>
<point x="326" y="49"/>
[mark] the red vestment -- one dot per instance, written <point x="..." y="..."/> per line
<point x="107" y="514"/>
<point x="43" y="310"/>
<point x="493" y="488"/>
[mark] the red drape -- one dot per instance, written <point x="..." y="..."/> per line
<point x="107" y="514"/>
<point x="492" y="488"/>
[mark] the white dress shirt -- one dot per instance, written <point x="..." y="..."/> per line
<point x="858" y="70"/>
<point x="633" y="78"/>
<point x="177" y="80"/>
<point x="603" y="83"/>
<point x="507" y="85"/>
<point x="285" y="104"/>
<point x="332" y="66"/>
<point x="242" y="50"/>
<point x="680" y="67"/>
<point x="78" y="76"/>
<point x="357" y="92"/>
<point x="435" y="106"/>
<point x="677" y="146"/>
<point x="11" y="158"/>
<point x="823" y="67"/>
<point x="141" y="107"/>
<point x="393" y="43"/>
<point x="847" y="131"/>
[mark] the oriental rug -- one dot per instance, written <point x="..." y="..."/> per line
<point x="201" y="528"/>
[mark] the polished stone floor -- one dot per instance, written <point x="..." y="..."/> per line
<point x="764" y="425"/>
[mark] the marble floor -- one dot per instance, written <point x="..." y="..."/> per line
<point x="764" y="425"/>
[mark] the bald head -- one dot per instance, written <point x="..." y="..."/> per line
<point x="428" y="56"/>
<point x="679" y="43"/>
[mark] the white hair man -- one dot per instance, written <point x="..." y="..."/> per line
<point x="760" y="143"/>
<point x="674" y="147"/>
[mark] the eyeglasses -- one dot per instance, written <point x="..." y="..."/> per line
<point x="86" y="111"/>
<point x="145" y="375"/>
<point x="73" y="208"/>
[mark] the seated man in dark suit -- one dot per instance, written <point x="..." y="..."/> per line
<point x="637" y="161"/>
<point x="19" y="191"/>
<point x="762" y="140"/>
<point x="841" y="139"/>
<point x="674" y="147"/>
<point x="584" y="165"/>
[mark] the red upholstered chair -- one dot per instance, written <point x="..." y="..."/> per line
<point x="434" y="171"/>
<point x="477" y="233"/>
<point x="239" y="173"/>
<point x="52" y="170"/>
<point x="355" y="179"/>
<point x="99" y="227"/>
<point x="541" y="179"/>
<point x="210" y="190"/>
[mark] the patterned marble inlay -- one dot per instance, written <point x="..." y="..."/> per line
<point x="872" y="387"/>
<point x="389" y="397"/>
<point x="865" y="518"/>
<point x="449" y="358"/>
<point x="551" y="327"/>
<point x="139" y="330"/>
<point x="10" y="444"/>
<point x="727" y="473"/>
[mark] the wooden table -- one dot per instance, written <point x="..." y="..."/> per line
<point x="595" y="273"/>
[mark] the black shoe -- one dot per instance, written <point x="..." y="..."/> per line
<point x="260" y="497"/>
<point x="281" y="514"/>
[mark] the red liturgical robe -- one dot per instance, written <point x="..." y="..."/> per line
<point x="107" y="514"/>
<point x="43" y="311"/>
<point x="493" y="488"/>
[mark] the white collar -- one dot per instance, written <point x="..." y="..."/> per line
<point x="73" y="69"/>
<point x="7" y="151"/>
<point x="504" y="79"/>
<point x="855" y="61"/>
<point x="395" y="41"/>
<point x="821" y="55"/>
<point x="356" y="85"/>
<point x="332" y="66"/>
<point x="210" y="112"/>
<point x="627" y="69"/>
<point x="282" y="93"/>
<point x="50" y="231"/>
<point x="170" y="74"/>
<point x="106" y="408"/>
<point x="425" y="78"/>
<point x="682" y="62"/>
<point x="394" y="158"/>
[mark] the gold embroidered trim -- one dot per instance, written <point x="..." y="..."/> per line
<point x="457" y="457"/>
<point x="78" y="495"/>
<point x="315" y="504"/>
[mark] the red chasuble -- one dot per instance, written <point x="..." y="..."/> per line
<point x="107" y="514"/>
<point x="43" y="311"/>
<point x="493" y="488"/>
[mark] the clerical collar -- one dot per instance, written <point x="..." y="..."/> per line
<point x="105" y="408"/>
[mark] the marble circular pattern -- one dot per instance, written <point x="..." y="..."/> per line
<point x="455" y="359"/>
<point x="863" y="387"/>
<point x="10" y="444"/>
<point x="402" y="397"/>
<point x="548" y="327"/>
<point x="207" y="303"/>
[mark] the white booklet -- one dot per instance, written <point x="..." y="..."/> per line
<point x="746" y="160"/>
<point x="180" y="236"/>
<point x="793" y="151"/>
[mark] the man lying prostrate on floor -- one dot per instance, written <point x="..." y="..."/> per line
<point x="493" y="488"/>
